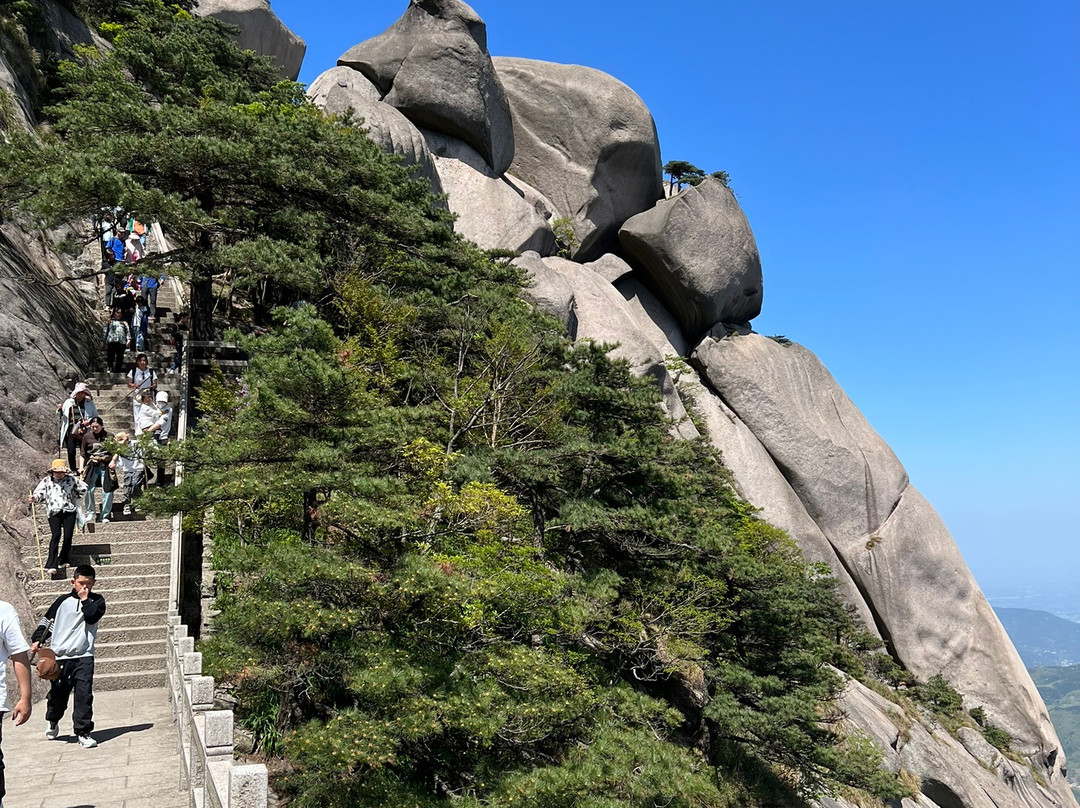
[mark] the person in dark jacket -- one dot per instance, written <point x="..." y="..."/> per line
<point x="72" y="622"/>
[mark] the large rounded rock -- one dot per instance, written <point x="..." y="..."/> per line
<point x="494" y="212"/>
<point x="700" y="251"/>
<point x="549" y="290"/>
<point x="260" y="31"/>
<point x="433" y="65"/>
<point x="341" y="89"/>
<point x="925" y="603"/>
<point x="587" y="142"/>
<point x="938" y="620"/>
<point x="846" y="476"/>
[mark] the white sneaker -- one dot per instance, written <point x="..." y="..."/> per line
<point x="52" y="730"/>
<point x="105" y="520"/>
<point x="86" y="742"/>
<point x="127" y="510"/>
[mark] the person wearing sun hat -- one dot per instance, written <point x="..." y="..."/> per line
<point x="75" y="415"/>
<point x="61" y="491"/>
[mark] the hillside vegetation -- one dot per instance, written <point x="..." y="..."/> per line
<point x="459" y="558"/>
<point x="1042" y="639"/>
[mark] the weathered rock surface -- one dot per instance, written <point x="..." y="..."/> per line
<point x="340" y="89"/>
<point x="699" y="250"/>
<point x="549" y="290"/>
<point x="938" y="620"/>
<point x="967" y="773"/>
<point x="433" y="65"/>
<point x="19" y="68"/>
<point x="494" y="212"/>
<point x="602" y="314"/>
<point x="760" y="482"/>
<point x="260" y="31"/>
<point x="14" y="86"/>
<point x="587" y="142"/>
<point x="46" y="335"/>
<point x="611" y="268"/>
<point x="848" y="479"/>
<point x="891" y="544"/>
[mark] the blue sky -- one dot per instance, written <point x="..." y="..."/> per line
<point x="912" y="176"/>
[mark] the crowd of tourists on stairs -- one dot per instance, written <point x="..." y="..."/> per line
<point x="98" y="460"/>
<point x="130" y="296"/>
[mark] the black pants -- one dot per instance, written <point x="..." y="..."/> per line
<point x="77" y="675"/>
<point x="71" y="443"/>
<point x="114" y="356"/>
<point x="60" y="521"/>
<point x="3" y="790"/>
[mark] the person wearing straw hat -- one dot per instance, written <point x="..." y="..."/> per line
<point x="61" y="491"/>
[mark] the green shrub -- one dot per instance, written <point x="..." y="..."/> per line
<point x="937" y="693"/>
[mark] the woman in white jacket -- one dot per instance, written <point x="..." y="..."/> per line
<point x="61" y="491"/>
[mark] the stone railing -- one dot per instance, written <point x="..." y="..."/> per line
<point x="207" y="768"/>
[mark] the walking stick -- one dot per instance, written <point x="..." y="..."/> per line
<point x="37" y="539"/>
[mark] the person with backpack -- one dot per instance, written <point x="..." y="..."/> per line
<point x="99" y="471"/>
<point x="117" y="340"/>
<point x="139" y="379"/>
<point x="75" y="415"/>
<point x="131" y="464"/>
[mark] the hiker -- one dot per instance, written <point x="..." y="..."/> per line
<point x="99" y="471"/>
<point x="75" y="415"/>
<point x="74" y="618"/>
<point x="132" y="249"/>
<point x="160" y="429"/>
<point x="131" y="464"/>
<point x="61" y="491"/>
<point x="140" y="378"/>
<point x="13" y="646"/>
<point x="117" y="340"/>
<point x="124" y="300"/>
<point x="140" y="323"/>
<point x="146" y="414"/>
<point x="150" y="286"/>
<point x="178" y="340"/>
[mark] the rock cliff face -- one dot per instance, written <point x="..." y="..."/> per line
<point x="46" y="334"/>
<point x="517" y="144"/>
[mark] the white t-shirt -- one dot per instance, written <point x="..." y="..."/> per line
<point x="12" y="641"/>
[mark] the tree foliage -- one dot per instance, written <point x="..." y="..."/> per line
<point x="254" y="186"/>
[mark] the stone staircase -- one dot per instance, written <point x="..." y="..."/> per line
<point x="131" y="554"/>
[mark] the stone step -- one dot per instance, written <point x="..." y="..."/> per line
<point x="109" y="573"/>
<point x="132" y="664"/>
<point x="157" y="620"/>
<point x="152" y="585"/>
<point x="134" y="680"/>
<point x="115" y="634"/>
<point x="109" y="651"/>
<point x="150" y="553"/>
